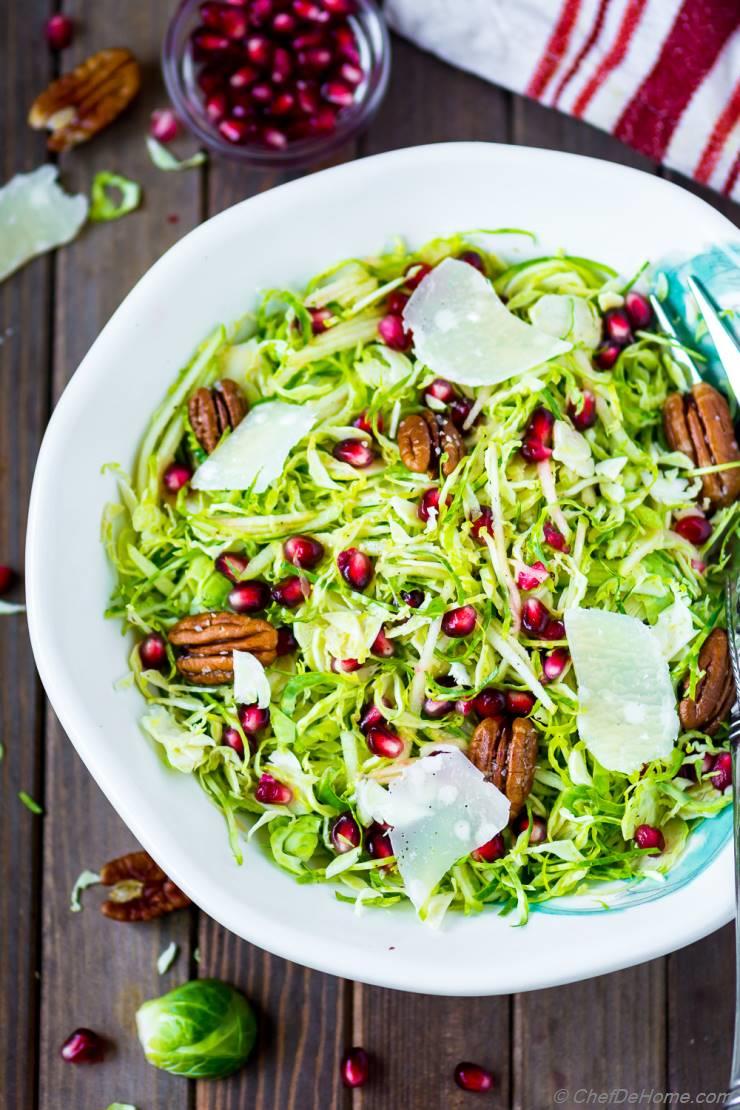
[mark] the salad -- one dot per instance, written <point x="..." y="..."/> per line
<point x="424" y="566"/>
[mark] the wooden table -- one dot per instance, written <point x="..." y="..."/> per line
<point x="663" y="1026"/>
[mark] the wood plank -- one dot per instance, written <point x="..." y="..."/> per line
<point x="701" y="1009"/>
<point x="534" y="125"/>
<point x="601" y="1034"/>
<point x="25" y="67"/>
<point x="96" y="972"/>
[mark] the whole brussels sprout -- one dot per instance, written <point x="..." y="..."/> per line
<point x="204" y="1029"/>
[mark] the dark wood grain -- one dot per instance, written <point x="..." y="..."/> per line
<point x="96" y="972"/>
<point x="24" y="389"/>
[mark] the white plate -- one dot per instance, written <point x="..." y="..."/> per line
<point x="594" y="208"/>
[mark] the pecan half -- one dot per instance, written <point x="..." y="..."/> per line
<point x="450" y="444"/>
<point x="140" y="890"/>
<point x="79" y="104"/>
<point x="715" y="691"/>
<point x="214" y="411"/>
<point x="507" y="756"/>
<point x="207" y="640"/>
<point x="415" y="443"/>
<point x="699" y="424"/>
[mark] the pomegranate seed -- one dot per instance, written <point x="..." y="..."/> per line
<point x="460" y="410"/>
<point x="209" y="42"/>
<point x="345" y="666"/>
<point x="356" y="452"/>
<point x="472" y="1077"/>
<point x="336" y="92"/>
<point x="355" y="1067"/>
<point x="393" y="333"/>
<point x="231" y="738"/>
<point x="465" y="707"/>
<point x="249" y="596"/>
<point x="519" y="703"/>
<point x="481" y="524"/>
<point x="529" y="578"/>
<point x="347" y="44"/>
<point x="344" y="833"/>
<point x="363" y="422"/>
<point x="83" y="1047"/>
<point x="638" y="309"/>
<point x="555" y="663"/>
<point x="315" y="59"/>
<point x="647" y="836"/>
<point x="355" y="567"/>
<point x="382" y="646"/>
<point x="397" y="301"/>
<point x="319" y="316"/>
<point x="553" y="630"/>
<point x="696" y="529"/>
<point x="306" y="9"/>
<point x="232" y="565"/>
<point x="282" y="65"/>
<point x="307" y="94"/>
<point x="370" y="717"/>
<point x="59" y="31"/>
<point x="259" y="50"/>
<point x="261" y="93"/>
<point x="283" y="23"/>
<point x="490" y="703"/>
<point x="415" y="273"/>
<point x="291" y="591"/>
<point x="216" y="106"/>
<point x="459" y="622"/>
<point x="234" y="23"/>
<point x="164" y="125"/>
<point x="322" y="122"/>
<point x="554" y="537"/>
<point x="271" y="792"/>
<point x="7" y="578"/>
<point x="283" y="105"/>
<point x="383" y="741"/>
<point x="617" y="327"/>
<point x="534" y="616"/>
<point x="303" y="551"/>
<point x="242" y="77"/>
<point x="253" y="718"/>
<point x="440" y="390"/>
<point x="286" y="641"/>
<point x="428" y="504"/>
<point x="210" y="14"/>
<point x="473" y="259"/>
<point x="722" y="771"/>
<point x="433" y="708"/>
<point x="377" y="841"/>
<point x="696" y="771"/>
<point x="153" y="652"/>
<point x="351" y="73"/>
<point x="234" y="130"/>
<point x="339" y="7"/>
<point x="534" y="450"/>
<point x="607" y="355"/>
<point x="176" y="476"/>
<point x="307" y="39"/>
<point x="274" y="138"/>
<point x="540" y="426"/>
<point x="259" y="12"/>
<point x="538" y="835"/>
<point x="210" y="79"/>
<point x="583" y="414"/>
<point x="412" y="598"/>
<point x="490" y="851"/>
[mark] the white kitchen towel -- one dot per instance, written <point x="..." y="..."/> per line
<point x="661" y="75"/>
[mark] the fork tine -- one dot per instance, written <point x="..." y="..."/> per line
<point x="678" y="354"/>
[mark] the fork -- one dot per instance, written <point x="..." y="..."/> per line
<point x="733" y="624"/>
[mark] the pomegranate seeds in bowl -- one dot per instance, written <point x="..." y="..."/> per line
<point x="448" y="628"/>
<point x="290" y="80"/>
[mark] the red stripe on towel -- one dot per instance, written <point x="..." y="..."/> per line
<point x="712" y="152"/>
<point x="613" y="58"/>
<point x="555" y="50"/>
<point x="589" y="43"/>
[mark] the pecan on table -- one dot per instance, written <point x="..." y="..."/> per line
<point x="507" y="757"/>
<point x="206" y="642"/>
<point x="423" y="439"/>
<point x="80" y="103"/>
<point x="140" y="890"/>
<point x="715" y="691"/>
<point x="214" y="411"/>
<point x="699" y="424"/>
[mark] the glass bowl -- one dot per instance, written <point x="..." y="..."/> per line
<point x="180" y="70"/>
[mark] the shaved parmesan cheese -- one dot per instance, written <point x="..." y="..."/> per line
<point x="440" y="809"/>
<point x="464" y="332"/>
<point x="567" y="317"/>
<point x="250" y="681"/>
<point x="36" y="216"/>
<point x="572" y="449"/>
<point x="674" y="629"/>
<point x="255" y="452"/>
<point x="627" y="705"/>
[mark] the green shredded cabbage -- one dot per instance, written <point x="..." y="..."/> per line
<point x="103" y="207"/>
<point x="614" y="492"/>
